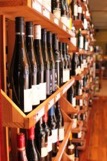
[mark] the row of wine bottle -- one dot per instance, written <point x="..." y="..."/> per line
<point x="43" y="140"/>
<point x="38" y="65"/>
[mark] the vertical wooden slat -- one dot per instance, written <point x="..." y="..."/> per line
<point x="3" y="148"/>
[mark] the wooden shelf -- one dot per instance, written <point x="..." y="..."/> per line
<point x="67" y="126"/>
<point x="80" y="76"/>
<point x="14" y="117"/>
<point x="67" y="106"/>
<point x="36" y="13"/>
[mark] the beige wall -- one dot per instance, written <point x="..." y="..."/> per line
<point x="101" y="40"/>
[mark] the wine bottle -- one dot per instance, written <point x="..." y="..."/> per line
<point x="40" y="62"/>
<point x="63" y="11"/>
<point x="53" y="125"/>
<point x="48" y="69"/>
<point x="56" y="8"/>
<point x="49" y="137"/>
<point x="60" y="122"/>
<point x="74" y="9"/>
<point x="21" y="152"/>
<point x="31" y="150"/>
<point x="20" y="70"/>
<point x="41" y="140"/>
<point x="70" y="148"/>
<point x="79" y="11"/>
<point x="66" y="71"/>
<point x="53" y="72"/>
<point x="62" y="62"/>
<point x="32" y="58"/>
<point x="80" y="40"/>
<point x="71" y="95"/>
<point x="55" y="44"/>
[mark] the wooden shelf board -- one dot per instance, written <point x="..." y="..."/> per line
<point x="40" y="15"/>
<point x="82" y="147"/>
<point x="67" y="106"/>
<point x="14" y="117"/>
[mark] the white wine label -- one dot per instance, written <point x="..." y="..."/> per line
<point x="80" y="134"/>
<point x="37" y="32"/>
<point x="40" y="1"/>
<point x="54" y="135"/>
<point x="61" y="134"/>
<point x="79" y="70"/>
<point x="44" y="152"/>
<point x="64" y="27"/>
<point x="74" y="125"/>
<point x="80" y="91"/>
<point x="75" y="10"/>
<point x="27" y="100"/>
<point x="35" y="95"/>
<point x="47" y="4"/>
<point x="81" y="42"/>
<point x="36" y="6"/>
<point x="42" y="91"/>
<point x="85" y="24"/>
<point x="71" y="147"/>
<point x="73" y="40"/>
<point x="49" y="143"/>
<point x="64" y="20"/>
<point x="79" y="9"/>
<point x="74" y="102"/>
<point x="46" y="13"/>
<point x="81" y="102"/>
<point x="66" y="75"/>
<point x="56" y="21"/>
<point x="86" y="45"/>
<point x="57" y="13"/>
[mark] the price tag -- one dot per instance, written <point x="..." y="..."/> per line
<point x="46" y="13"/>
<point x="56" y="21"/>
<point x="51" y="103"/>
<point x="36" y="6"/>
<point x="57" y="97"/>
<point x="39" y="114"/>
<point x="64" y="90"/>
<point x="64" y="27"/>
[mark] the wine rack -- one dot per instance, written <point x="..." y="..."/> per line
<point x="12" y="116"/>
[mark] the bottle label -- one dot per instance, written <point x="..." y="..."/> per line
<point x="57" y="13"/>
<point x="44" y="152"/>
<point x="71" y="147"/>
<point x="64" y="19"/>
<point x="80" y="91"/>
<point x="75" y="10"/>
<point x="37" y="32"/>
<point x="79" y="134"/>
<point x="73" y="101"/>
<point x="49" y="143"/>
<point x="86" y="45"/>
<point x="85" y="24"/>
<point x="54" y="135"/>
<point x="61" y="134"/>
<point x="80" y="9"/>
<point x="74" y="125"/>
<point x="42" y="91"/>
<point x="35" y="95"/>
<point x="81" y="102"/>
<point x="81" y="42"/>
<point x="66" y="75"/>
<point x="27" y="100"/>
